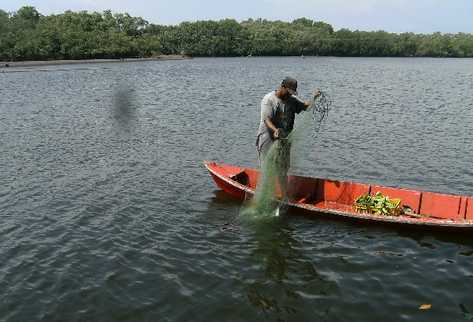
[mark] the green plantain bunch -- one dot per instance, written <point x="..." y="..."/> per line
<point x="378" y="205"/>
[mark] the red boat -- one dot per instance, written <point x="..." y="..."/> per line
<point x="336" y="198"/>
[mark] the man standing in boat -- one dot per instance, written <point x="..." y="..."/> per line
<point x="278" y="110"/>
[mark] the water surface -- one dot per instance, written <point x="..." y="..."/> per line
<point x="108" y="214"/>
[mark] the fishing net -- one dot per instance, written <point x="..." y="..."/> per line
<point x="320" y="109"/>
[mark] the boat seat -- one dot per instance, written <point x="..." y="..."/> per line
<point x="241" y="177"/>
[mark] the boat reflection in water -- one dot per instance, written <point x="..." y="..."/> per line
<point x="286" y="279"/>
<point x="279" y="280"/>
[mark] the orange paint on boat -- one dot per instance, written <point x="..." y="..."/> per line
<point x="339" y="192"/>
<point x="440" y="205"/>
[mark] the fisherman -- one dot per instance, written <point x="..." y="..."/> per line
<point x="278" y="110"/>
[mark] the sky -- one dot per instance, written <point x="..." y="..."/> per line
<point x="420" y="16"/>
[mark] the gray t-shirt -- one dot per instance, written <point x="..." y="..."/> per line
<point x="282" y="113"/>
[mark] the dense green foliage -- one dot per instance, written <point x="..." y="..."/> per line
<point x="28" y="35"/>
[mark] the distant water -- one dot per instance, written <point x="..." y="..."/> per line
<point x="107" y="213"/>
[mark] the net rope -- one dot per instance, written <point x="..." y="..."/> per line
<point x="320" y="109"/>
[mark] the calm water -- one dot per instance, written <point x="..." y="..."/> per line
<point x="107" y="213"/>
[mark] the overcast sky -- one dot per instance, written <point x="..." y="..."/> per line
<point x="421" y="16"/>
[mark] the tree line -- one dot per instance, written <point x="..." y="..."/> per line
<point x="28" y="35"/>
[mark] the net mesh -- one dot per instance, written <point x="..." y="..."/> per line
<point x="320" y="109"/>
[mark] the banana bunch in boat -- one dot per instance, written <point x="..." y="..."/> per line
<point x="378" y="205"/>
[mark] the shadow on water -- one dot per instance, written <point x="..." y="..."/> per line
<point x="462" y="238"/>
<point x="417" y="233"/>
<point x="224" y="211"/>
<point x="287" y="281"/>
<point x="222" y="198"/>
<point x="124" y="109"/>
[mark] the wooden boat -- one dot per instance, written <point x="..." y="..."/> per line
<point x="336" y="198"/>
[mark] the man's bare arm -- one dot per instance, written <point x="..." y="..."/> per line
<point x="271" y="126"/>
<point x="308" y="104"/>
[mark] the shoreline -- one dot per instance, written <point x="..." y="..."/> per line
<point x="35" y="63"/>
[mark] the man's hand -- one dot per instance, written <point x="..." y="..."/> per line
<point x="276" y="134"/>
<point x="310" y="104"/>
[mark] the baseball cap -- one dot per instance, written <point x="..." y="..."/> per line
<point x="291" y="85"/>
